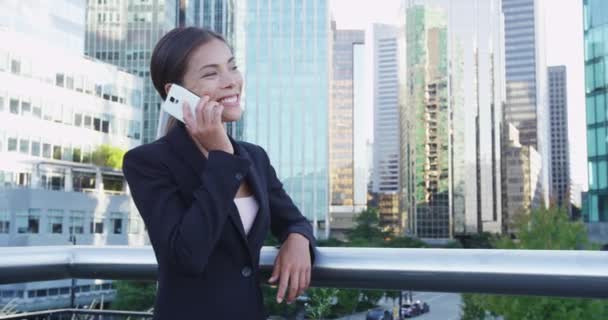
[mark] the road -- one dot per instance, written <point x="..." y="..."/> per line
<point x="444" y="306"/>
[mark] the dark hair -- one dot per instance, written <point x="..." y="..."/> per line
<point x="171" y="54"/>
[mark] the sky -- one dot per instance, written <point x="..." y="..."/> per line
<point x="564" y="46"/>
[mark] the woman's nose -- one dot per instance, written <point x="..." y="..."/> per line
<point x="228" y="81"/>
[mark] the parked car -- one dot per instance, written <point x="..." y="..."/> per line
<point x="412" y="309"/>
<point x="379" y="314"/>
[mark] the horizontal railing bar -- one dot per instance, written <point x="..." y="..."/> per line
<point x="517" y="272"/>
<point x="76" y="311"/>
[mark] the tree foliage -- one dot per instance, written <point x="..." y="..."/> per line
<point x="108" y="156"/>
<point x="548" y="229"/>
<point x="134" y="295"/>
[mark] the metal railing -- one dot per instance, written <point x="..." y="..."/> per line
<point x="76" y="314"/>
<point x="514" y="272"/>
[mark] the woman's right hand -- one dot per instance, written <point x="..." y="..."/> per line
<point x="206" y="127"/>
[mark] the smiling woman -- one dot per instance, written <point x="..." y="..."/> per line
<point x="207" y="200"/>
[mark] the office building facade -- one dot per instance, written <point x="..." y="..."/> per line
<point x="286" y="57"/>
<point x="558" y="126"/>
<point x="451" y="95"/>
<point x="595" y="211"/>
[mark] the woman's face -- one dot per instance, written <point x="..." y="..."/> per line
<point x="212" y="71"/>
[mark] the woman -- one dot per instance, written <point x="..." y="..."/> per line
<point x="208" y="201"/>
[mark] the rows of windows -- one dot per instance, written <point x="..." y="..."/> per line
<point x="51" y="292"/>
<point x="55" y="180"/>
<point x="39" y="109"/>
<point x="77" y="82"/>
<point x="56" y="223"/>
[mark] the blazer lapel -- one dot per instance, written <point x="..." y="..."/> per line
<point x="185" y="148"/>
<point x="261" y="195"/>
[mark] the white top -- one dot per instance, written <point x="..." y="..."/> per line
<point x="248" y="209"/>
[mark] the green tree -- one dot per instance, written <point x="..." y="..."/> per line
<point x="134" y="295"/>
<point x="348" y="301"/>
<point x="549" y="229"/>
<point x="367" y="230"/>
<point x="108" y="156"/>
<point x="321" y="301"/>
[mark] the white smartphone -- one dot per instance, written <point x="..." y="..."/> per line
<point x="175" y="100"/>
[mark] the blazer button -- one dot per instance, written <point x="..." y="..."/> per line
<point x="246" y="272"/>
<point x="239" y="176"/>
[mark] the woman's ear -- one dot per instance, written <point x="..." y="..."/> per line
<point x="167" y="88"/>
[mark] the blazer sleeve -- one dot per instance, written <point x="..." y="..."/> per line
<point x="183" y="236"/>
<point x="285" y="217"/>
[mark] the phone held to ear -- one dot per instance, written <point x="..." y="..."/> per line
<point x="176" y="97"/>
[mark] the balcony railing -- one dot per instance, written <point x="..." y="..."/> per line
<point x="514" y="272"/>
<point x="77" y="314"/>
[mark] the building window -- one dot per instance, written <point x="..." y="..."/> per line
<point x="76" y="222"/>
<point x="76" y="157"/>
<point x="24" y="146"/>
<point x="12" y="144"/>
<point x="35" y="148"/>
<point x="97" y="124"/>
<point x="67" y="154"/>
<point x="14" y="106"/>
<point x="55" y="221"/>
<point x="83" y="181"/>
<point x="116" y="222"/>
<point x="46" y="150"/>
<point x="29" y="223"/>
<point x="78" y="119"/>
<point x="97" y="226"/>
<point x="52" y="181"/>
<point x="88" y="122"/>
<point x="24" y="179"/>
<point x="37" y="112"/>
<point x="57" y="152"/>
<point x="113" y="183"/>
<point x="26" y="108"/>
<point x="105" y="126"/>
<point x="15" y="66"/>
<point x="69" y="81"/>
<point x="5" y="222"/>
<point x="59" y="79"/>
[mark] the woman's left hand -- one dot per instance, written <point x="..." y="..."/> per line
<point x="292" y="267"/>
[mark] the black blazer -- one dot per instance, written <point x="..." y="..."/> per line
<point x="207" y="266"/>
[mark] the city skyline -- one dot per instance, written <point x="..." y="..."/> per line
<point x="564" y="46"/>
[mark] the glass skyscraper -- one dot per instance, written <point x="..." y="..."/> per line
<point x="596" y="89"/>
<point x="285" y="54"/>
<point x="560" y="155"/>
<point x="347" y="159"/>
<point x="451" y="94"/>
<point x="124" y="33"/>
<point x="526" y="78"/>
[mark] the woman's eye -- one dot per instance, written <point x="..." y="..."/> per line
<point x="235" y="68"/>
<point x="209" y="74"/>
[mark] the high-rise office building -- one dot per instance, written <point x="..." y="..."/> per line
<point x="286" y="54"/>
<point x="386" y="155"/>
<point x="51" y="22"/>
<point x="526" y="78"/>
<point x="596" y="58"/>
<point x="386" y="109"/>
<point x="451" y="97"/>
<point x="348" y="185"/>
<point x="558" y="125"/>
<point x="124" y="33"/>
<point x="54" y="117"/>
<point x="521" y="189"/>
